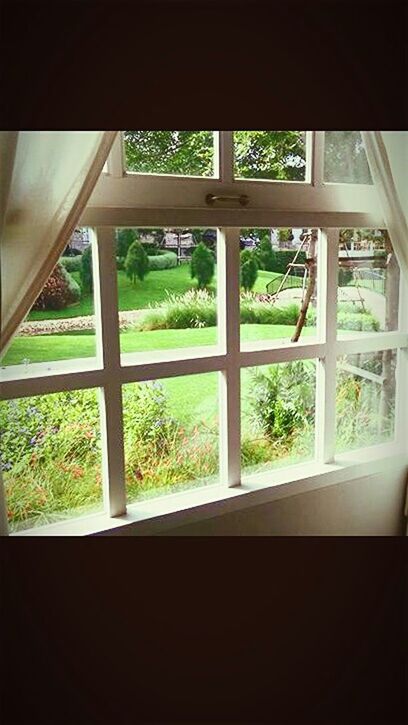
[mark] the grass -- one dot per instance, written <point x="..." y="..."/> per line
<point x="152" y="290"/>
<point x="45" y="348"/>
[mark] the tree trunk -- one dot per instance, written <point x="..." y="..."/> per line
<point x="312" y="269"/>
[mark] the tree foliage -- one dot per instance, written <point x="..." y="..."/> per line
<point x="136" y="263"/>
<point x="265" y="256"/>
<point x="249" y="269"/>
<point x="125" y="237"/>
<point x="202" y="265"/>
<point x="278" y="155"/>
<point x="345" y="159"/>
<point x="86" y="270"/>
<point x="170" y="152"/>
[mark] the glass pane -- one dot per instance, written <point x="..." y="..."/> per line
<point x="345" y="158"/>
<point x="278" y="285"/>
<point x="275" y="155"/>
<point x="50" y="457"/>
<point x="161" y="305"/>
<point x="185" y="153"/>
<point x="171" y="435"/>
<point x="60" y="325"/>
<point x="368" y="292"/>
<point x="365" y="399"/>
<point x="278" y="415"/>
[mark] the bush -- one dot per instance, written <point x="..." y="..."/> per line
<point x="162" y="260"/>
<point x="345" y="276"/>
<point x="274" y="260"/>
<point x="59" y="291"/>
<point x="202" y="265"/>
<point x="120" y="263"/>
<point x="86" y="270"/>
<point x="71" y="264"/>
<point x="136" y="263"/>
<point x="124" y="239"/>
<point x="359" y="321"/>
<point x="249" y="270"/>
<point x="282" y="398"/>
<point x="197" y="308"/>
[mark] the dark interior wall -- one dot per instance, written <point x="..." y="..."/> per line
<point x="372" y="506"/>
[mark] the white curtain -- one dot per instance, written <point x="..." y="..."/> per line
<point x="46" y="180"/>
<point x="387" y="154"/>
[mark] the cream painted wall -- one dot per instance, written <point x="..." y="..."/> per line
<point x="372" y="506"/>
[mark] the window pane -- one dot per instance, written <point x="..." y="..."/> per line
<point x="278" y="285"/>
<point x="186" y="153"/>
<point x="278" y="415"/>
<point x="60" y="325"/>
<point x="171" y="435"/>
<point x="345" y="158"/>
<point x="50" y="457"/>
<point x="161" y="306"/>
<point x="365" y="399"/>
<point x="368" y="293"/>
<point x="275" y="155"/>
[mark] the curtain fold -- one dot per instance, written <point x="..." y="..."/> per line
<point x="387" y="154"/>
<point x="51" y="175"/>
<point x="46" y="179"/>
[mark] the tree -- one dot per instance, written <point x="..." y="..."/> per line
<point x="345" y="158"/>
<point x="249" y="269"/>
<point x="125" y="237"/>
<point x="284" y="236"/>
<point x="136" y="262"/>
<point x="85" y="271"/>
<point x="270" y="155"/>
<point x="264" y="254"/>
<point x="258" y="154"/>
<point x="202" y="265"/>
<point x="170" y="152"/>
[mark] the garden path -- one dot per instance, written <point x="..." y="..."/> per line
<point x="72" y="324"/>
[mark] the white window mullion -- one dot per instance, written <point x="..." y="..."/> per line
<point x="226" y="156"/>
<point x="229" y="338"/>
<point x="317" y="166"/>
<point x="107" y="329"/>
<point x="327" y="332"/>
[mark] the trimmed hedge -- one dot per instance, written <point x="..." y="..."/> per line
<point x="278" y="260"/>
<point x="159" y="259"/>
<point x="71" y="264"/>
<point x="360" y="321"/>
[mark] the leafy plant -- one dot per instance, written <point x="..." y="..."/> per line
<point x="86" y="270"/>
<point x="202" y="265"/>
<point x="282" y="398"/>
<point x="59" y="291"/>
<point x="136" y="263"/>
<point x="124" y="238"/>
<point x="249" y="269"/>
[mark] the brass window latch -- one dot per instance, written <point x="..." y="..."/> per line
<point x="241" y="199"/>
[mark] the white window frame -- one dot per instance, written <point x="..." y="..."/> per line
<point x="108" y="371"/>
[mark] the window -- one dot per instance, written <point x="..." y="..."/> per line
<point x="291" y="321"/>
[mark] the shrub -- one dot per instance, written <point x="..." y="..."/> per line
<point x="86" y="270"/>
<point x="249" y="270"/>
<point x="197" y="308"/>
<point x="345" y="276"/>
<point x="202" y="265"/>
<point x="162" y="260"/>
<point x="59" y="291"/>
<point x="120" y="263"/>
<point x="359" y="321"/>
<point x="71" y="264"/>
<point x="282" y="398"/>
<point x="124" y="239"/>
<point x="136" y="262"/>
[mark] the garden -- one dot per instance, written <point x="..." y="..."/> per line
<point x="51" y="445"/>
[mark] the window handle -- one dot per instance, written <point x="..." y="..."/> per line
<point x="242" y="199"/>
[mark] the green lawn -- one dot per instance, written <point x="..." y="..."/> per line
<point x="153" y="289"/>
<point x="45" y="348"/>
